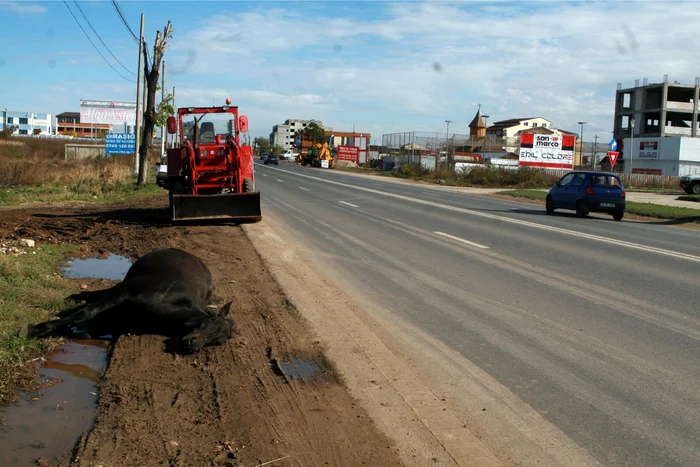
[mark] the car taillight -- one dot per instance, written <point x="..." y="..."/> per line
<point x="622" y="195"/>
<point x="590" y="191"/>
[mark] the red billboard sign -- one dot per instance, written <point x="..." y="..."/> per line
<point x="348" y="153"/>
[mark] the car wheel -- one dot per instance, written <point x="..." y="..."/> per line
<point x="581" y="209"/>
<point x="549" y="205"/>
<point x="695" y="188"/>
<point x="618" y="215"/>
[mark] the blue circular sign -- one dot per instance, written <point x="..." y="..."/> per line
<point x="613" y="145"/>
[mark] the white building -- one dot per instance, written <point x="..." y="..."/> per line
<point x="508" y="128"/>
<point x="285" y="133"/>
<point x="25" y="123"/>
<point x="671" y="155"/>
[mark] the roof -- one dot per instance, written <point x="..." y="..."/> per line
<point x="69" y="115"/>
<point x="567" y="133"/>
<point x="478" y="121"/>
<point x="514" y="121"/>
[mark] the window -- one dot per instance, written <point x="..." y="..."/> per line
<point x="526" y="124"/>
<point x="22" y="132"/>
<point x="9" y="120"/>
<point x="566" y="180"/>
<point x="534" y="125"/>
<point x="578" y="180"/>
<point x="544" y="125"/>
<point x="23" y="121"/>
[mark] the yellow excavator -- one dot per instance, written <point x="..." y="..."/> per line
<point x="316" y="155"/>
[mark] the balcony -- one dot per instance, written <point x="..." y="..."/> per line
<point x="680" y="106"/>
<point x="678" y="131"/>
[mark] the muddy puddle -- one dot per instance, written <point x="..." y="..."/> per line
<point x="47" y="423"/>
<point x="114" y="267"/>
<point x="299" y="369"/>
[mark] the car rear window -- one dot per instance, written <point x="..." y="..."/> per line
<point x="606" y="181"/>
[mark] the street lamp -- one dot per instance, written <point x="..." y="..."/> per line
<point x="631" y="143"/>
<point x="486" y="122"/>
<point x="581" y="123"/>
<point x="447" y="136"/>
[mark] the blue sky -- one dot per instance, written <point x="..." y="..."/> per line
<point x="382" y="66"/>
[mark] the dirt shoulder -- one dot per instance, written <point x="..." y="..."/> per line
<point x="228" y="405"/>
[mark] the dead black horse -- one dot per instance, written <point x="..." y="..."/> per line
<point x="165" y="292"/>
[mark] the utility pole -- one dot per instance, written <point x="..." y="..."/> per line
<point x="162" y="129"/>
<point x="139" y="114"/>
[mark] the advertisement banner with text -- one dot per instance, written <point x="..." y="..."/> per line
<point x="549" y="151"/>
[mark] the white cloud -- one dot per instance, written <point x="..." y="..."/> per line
<point x="23" y="7"/>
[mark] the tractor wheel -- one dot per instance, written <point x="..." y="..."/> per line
<point x="248" y="185"/>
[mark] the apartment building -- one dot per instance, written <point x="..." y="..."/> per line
<point x="285" y="134"/>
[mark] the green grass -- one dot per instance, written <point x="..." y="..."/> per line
<point x="31" y="290"/>
<point x="640" y="209"/>
<point x="10" y="196"/>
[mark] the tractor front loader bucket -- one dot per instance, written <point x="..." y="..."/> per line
<point x="237" y="207"/>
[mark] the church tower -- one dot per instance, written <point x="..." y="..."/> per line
<point x="477" y="128"/>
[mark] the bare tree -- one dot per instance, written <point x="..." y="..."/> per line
<point x="150" y="116"/>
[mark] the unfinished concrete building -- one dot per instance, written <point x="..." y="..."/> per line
<point x="658" y="109"/>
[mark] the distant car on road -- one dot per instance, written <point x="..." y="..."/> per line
<point x="263" y="156"/>
<point x="271" y="159"/>
<point x="587" y="192"/>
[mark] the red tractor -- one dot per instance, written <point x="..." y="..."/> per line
<point x="210" y="174"/>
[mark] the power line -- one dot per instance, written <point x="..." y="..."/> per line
<point x="100" y="38"/>
<point x="126" y="23"/>
<point x="93" y="44"/>
<point x="119" y="11"/>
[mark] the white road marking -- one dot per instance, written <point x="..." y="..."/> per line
<point x="478" y="245"/>
<point x="429" y="193"/>
<point x="302" y="188"/>
<point x="612" y="241"/>
<point x="264" y="175"/>
<point x="281" y="181"/>
<point x="353" y="205"/>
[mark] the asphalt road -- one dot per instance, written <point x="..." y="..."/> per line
<point x="593" y="323"/>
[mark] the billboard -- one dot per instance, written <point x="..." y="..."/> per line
<point x="348" y="153"/>
<point x="120" y="143"/>
<point x="648" y="149"/>
<point x="108" y="112"/>
<point x="549" y="151"/>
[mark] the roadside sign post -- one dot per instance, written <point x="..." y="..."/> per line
<point x="120" y="143"/>
<point x="613" y="152"/>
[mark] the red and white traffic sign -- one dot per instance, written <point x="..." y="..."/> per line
<point x="613" y="157"/>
